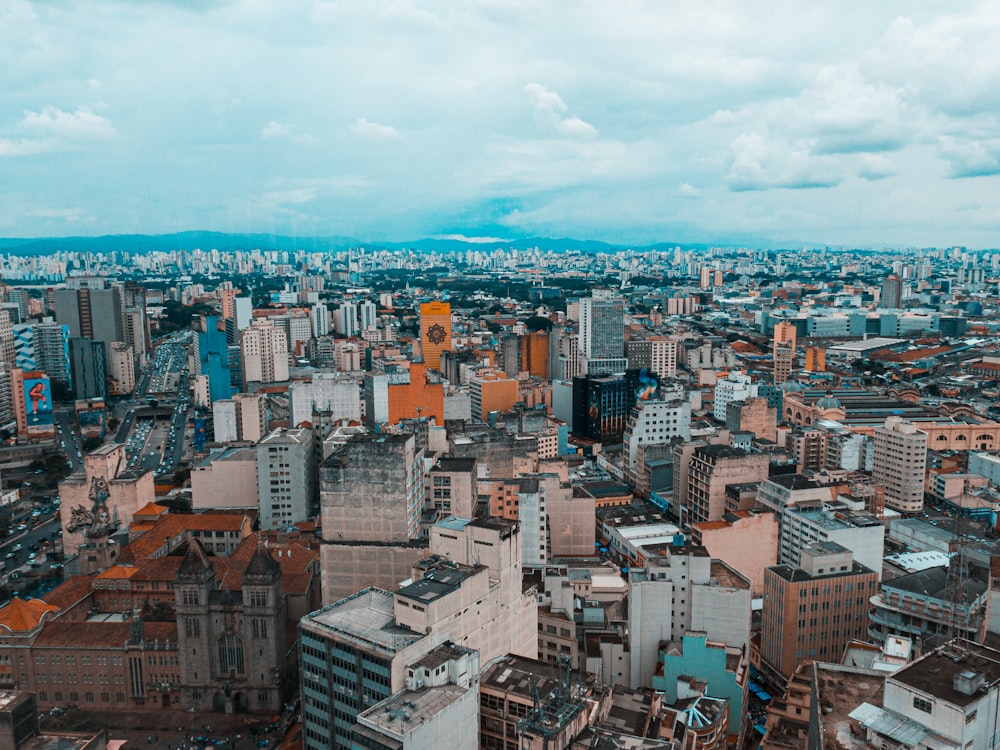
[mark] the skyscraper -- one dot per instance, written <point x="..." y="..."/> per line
<point x="783" y="351"/>
<point x="900" y="461"/>
<point x="891" y="292"/>
<point x="602" y="333"/>
<point x="264" y="351"/>
<point x="435" y="332"/>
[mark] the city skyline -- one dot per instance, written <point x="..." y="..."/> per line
<point x="833" y="124"/>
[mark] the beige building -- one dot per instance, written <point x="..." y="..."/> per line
<point x="712" y="467"/>
<point x="264" y="349"/>
<point x="746" y="540"/>
<point x="752" y="415"/>
<point x="226" y="478"/>
<point x="102" y="497"/>
<point x="452" y="487"/>
<point x="121" y="368"/>
<point x="900" y="461"/>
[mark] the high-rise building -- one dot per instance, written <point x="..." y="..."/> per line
<point x="712" y="467"/>
<point x="892" y="291"/>
<point x="320" y="316"/>
<point x="7" y="348"/>
<point x="602" y="333"/>
<point x="121" y="369"/>
<point x="367" y="317"/>
<point x="435" y="332"/>
<point x="44" y="346"/>
<point x="491" y="391"/>
<point x="813" y="611"/>
<point x="92" y="313"/>
<point x="899" y="464"/>
<point x="783" y="351"/>
<point x="286" y="477"/>
<point x="347" y="319"/>
<point x="362" y="649"/>
<point x="211" y="358"/>
<point x="89" y="367"/>
<point x="264" y="352"/>
<point x="652" y="422"/>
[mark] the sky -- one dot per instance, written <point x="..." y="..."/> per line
<point x="830" y="122"/>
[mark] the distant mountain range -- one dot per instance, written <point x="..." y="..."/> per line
<point x="144" y="243"/>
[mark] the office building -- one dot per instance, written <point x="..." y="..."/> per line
<point x="654" y="422"/>
<point x="211" y="359"/>
<point x="320" y="317"/>
<point x="814" y="610"/>
<point x="367" y="317"/>
<point x="346" y="319"/>
<point x="711" y="468"/>
<point x="892" y="293"/>
<point x="286" y="477"/>
<point x="121" y="368"/>
<point x="491" y="391"/>
<point x="89" y="368"/>
<point x="783" y="351"/>
<point x="327" y="393"/>
<point x="900" y="459"/>
<point x="948" y="698"/>
<point x="684" y="590"/>
<point x="362" y="649"/>
<point x="95" y="313"/>
<point x="264" y="353"/>
<point x="602" y="327"/>
<point x="43" y="346"/>
<point x="435" y="332"/>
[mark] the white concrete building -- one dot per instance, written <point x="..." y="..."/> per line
<point x="287" y="477"/>
<point x="899" y="464"/>
<point x="264" y="351"/>
<point x="331" y="393"/>
<point x="737" y="387"/>
<point x="652" y="422"/>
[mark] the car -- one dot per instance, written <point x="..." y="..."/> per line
<point x="18" y="547"/>
<point x="32" y="556"/>
<point x="9" y="555"/>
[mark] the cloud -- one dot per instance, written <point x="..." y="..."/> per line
<point x="476" y="240"/>
<point x="366" y="129"/>
<point x="972" y="158"/>
<point x="74" y="127"/>
<point x="275" y="129"/>
<point x="759" y="163"/>
<point x="687" y="190"/>
<point x="24" y="146"/>
<point x="549" y="108"/>
<point x="71" y="215"/>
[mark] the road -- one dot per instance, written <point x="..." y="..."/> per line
<point x="16" y="549"/>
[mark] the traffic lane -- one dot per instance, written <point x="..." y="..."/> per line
<point x="35" y="537"/>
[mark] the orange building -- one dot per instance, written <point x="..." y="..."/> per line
<point x="815" y="359"/>
<point x="418" y="398"/>
<point x="435" y="332"/>
<point x="535" y="354"/>
<point x="491" y="390"/>
<point x="227" y="297"/>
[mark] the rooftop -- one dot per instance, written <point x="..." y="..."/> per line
<point x="367" y="617"/>
<point x="935" y="673"/>
<point x="399" y="714"/>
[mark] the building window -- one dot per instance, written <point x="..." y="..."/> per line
<point x="192" y="627"/>
<point x="231" y="654"/>
<point x="190" y="596"/>
<point x="922" y="704"/>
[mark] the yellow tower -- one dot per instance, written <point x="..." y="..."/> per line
<point x="435" y="332"/>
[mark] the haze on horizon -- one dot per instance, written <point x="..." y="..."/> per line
<point x="831" y="122"/>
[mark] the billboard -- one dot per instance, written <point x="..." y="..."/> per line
<point x="38" y="402"/>
<point x="200" y="434"/>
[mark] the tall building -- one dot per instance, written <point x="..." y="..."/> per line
<point x="892" y="292"/>
<point x="347" y="319"/>
<point x="435" y="332"/>
<point x="44" y="346"/>
<point x="899" y="464"/>
<point x="320" y="316"/>
<point x="783" y="351"/>
<point x="121" y="368"/>
<point x="7" y="348"/>
<point x="367" y="316"/>
<point x="685" y="590"/>
<point x="653" y="422"/>
<point x="602" y="333"/>
<point x="89" y="368"/>
<point x="467" y="596"/>
<point x="491" y="391"/>
<point x="234" y="643"/>
<point x="286" y="477"/>
<point x="815" y="610"/>
<point x="211" y="358"/>
<point x="712" y="467"/>
<point x="92" y="313"/>
<point x="264" y="353"/>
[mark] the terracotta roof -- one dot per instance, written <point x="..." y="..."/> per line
<point x="707" y="525"/>
<point x="174" y="524"/>
<point x="20" y="615"/>
<point x="101" y="634"/>
<point x="119" y="571"/>
<point x="69" y="592"/>
<point x="151" y="509"/>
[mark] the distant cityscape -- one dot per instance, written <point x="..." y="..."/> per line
<point x="548" y="496"/>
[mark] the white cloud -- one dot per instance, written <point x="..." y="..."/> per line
<point x="24" y="146"/>
<point x="82" y="125"/>
<point x="687" y="190"/>
<point x="549" y="108"/>
<point x="367" y="129"/>
<point x="71" y="215"/>
<point x="275" y="129"/>
<point x="759" y="163"/>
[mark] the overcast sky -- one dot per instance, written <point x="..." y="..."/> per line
<point x="858" y="123"/>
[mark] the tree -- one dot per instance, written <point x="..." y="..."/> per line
<point x="538" y="323"/>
